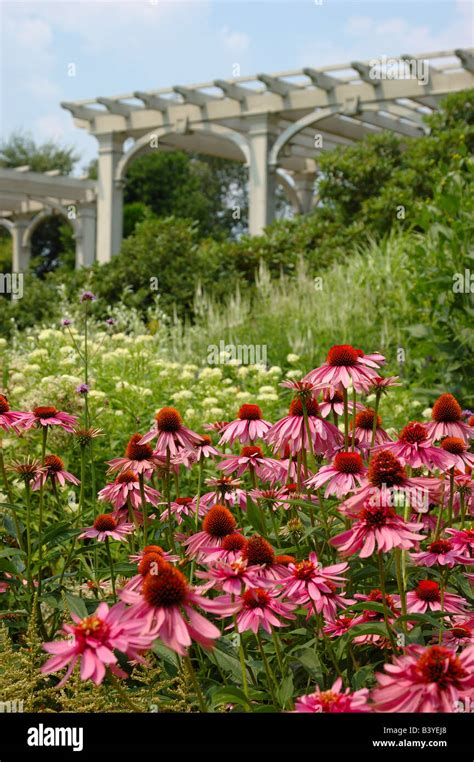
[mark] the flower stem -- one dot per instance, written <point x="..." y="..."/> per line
<point x="270" y="677"/>
<point x="195" y="682"/>
<point x="112" y="574"/>
<point x="384" y="603"/>
<point x="346" y="418"/>
<point x="144" y="509"/>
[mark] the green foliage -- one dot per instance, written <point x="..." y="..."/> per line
<point x="193" y="187"/>
<point x="20" y="149"/>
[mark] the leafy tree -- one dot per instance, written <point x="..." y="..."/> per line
<point x="20" y="149"/>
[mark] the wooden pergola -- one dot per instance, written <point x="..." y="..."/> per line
<point x="275" y="123"/>
<point x="27" y="198"/>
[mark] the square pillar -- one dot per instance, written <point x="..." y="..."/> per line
<point x="21" y="251"/>
<point x="261" y="175"/>
<point x="85" y="235"/>
<point x="109" y="197"/>
<point x="304" y="187"/>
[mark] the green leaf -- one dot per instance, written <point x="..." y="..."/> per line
<point x="254" y="516"/>
<point x="229" y="694"/>
<point x="76" y="605"/>
<point x="285" y="691"/>
<point x="226" y="661"/>
<point x="373" y="628"/>
<point x="165" y="653"/>
<point x="367" y="606"/>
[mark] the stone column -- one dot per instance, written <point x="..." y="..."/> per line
<point x="21" y="252"/>
<point x="85" y="235"/>
<point x="109" y="198"/>
<point x="304" y="187"/>
<point x="261" y="175"/>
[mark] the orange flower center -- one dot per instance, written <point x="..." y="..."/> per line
<point x="428" y="590"/>
<point x="256" y="597"/>
<point x="258" y="551"/>
<point x="413" y="433"/>
<point x="135" y="451"/>
<point x="296" y="407"/>
<point x="53" y="463"/>
<point x="249" y="413"/>
<point x="348" y="463"/>
<point x="454" y="445"/>
<point x="44" y="412"/>
<point x="439" y="665"/>
<point x="168" y="419"/>
<point x="386" y="469"/>
<point x="219" y="522"/>
<point x="166" y="589"/>
<point x="105" y="523"/>
<point x="446" y="409"/>
<point x="365" y="419"/>
<point x="4" y="406"/>
<point x="342" y="355"/>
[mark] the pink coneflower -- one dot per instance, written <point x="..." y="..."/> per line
<point x="441" y="552"/>
<point x="105" y="526"/>
<point x="217" y="524"/>
<point x="170" y="432"/>
<point x="183" y="507"/>
<point x="341" y="625"/>
<point x="457" y="453"/>
<point x="93" y="640"/>
<point x="346" y="472"/>
<point x="258" y="552"/>
<point x="334" y="701"/>
<point x="333" y="402"/>
<point x="231" y="577"/>
<point x="251" y="457"/>
<point x="287" y="468"/>
<point x="216" y="426"/>
<point x="447" y="420"/>
<point x="260" y="608"/>
<point x="425" y="679"/>
<point x="414" y="448"/>
<point x="369" y="615"/>
<point x="382" y="384"/>
<point x="205" y="449"/>
<point x="167" y="608"/>
<point x="10" y="419"/>
<point x="138" y="458"/>
<point x="153" y="549"/>
<point x="151" y="562"/>
<point x="45" y="415"/>
<point x="227" y="490"/>
<point x="378" y="528"/>
<point x="387" y="480"/>
<point x="229" y="551"/>
<point x="364" y="425"/>
<point x="248" y="426"/>
<point x="292" y="431"/>
<point x="126" y="486"/>
<point x="274" y="498"/>
<point x="344" y="367"/>
<point x="460" y="634"/>
<point x="427" y="597"/>
<point x="53" y="469"/>
<point x="462" y="540"/>
<point x="308" y="581"/>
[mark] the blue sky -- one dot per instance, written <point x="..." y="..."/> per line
<point x="118" y="46"/>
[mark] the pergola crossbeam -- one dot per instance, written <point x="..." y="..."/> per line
<point x="276" y="85"/>
<point x="466" y="57"/>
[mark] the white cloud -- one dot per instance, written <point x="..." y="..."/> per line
<point x="234" y="41"/>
